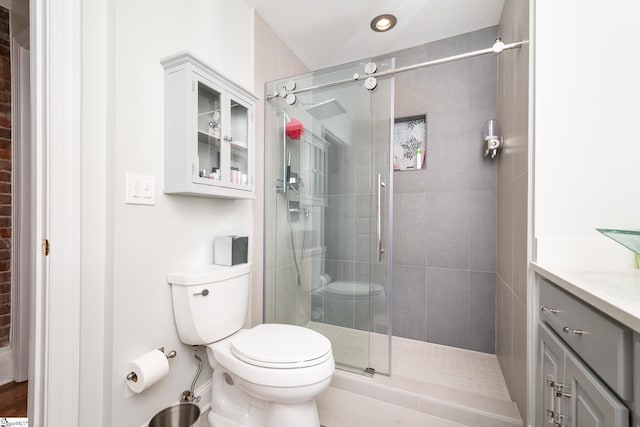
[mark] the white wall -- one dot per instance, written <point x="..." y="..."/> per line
<point x="130" y="248"/>
<point x="587" y="95"/>
<point x="97" y="211"/>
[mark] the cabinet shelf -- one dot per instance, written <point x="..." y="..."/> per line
<point x="238" y="145"/>
<point x="206" y="136"/>
<point x="204" y="113"/>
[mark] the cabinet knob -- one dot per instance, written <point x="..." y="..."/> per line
<point x="546" y="309"/>
<point x="569" y="330"/>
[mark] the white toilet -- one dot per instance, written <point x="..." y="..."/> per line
<point x="268" y="375"/>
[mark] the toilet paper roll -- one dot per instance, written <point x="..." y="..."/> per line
<point x="149" y="368"/>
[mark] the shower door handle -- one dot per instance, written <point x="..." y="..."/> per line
<point x="379" y="247"/>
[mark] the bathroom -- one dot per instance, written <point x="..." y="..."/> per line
<point x="124" y="307"/>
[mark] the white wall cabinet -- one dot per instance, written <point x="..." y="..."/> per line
<point x="209" y="131"/>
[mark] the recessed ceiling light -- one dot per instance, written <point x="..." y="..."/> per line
<point x="383" y="23"/>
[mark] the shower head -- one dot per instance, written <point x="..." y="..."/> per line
<point x="326" y="109"/>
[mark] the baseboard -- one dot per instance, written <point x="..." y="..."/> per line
<point x="204" y="391"/>
<point x="6" y="365"/>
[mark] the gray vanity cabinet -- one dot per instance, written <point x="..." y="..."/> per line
<point x="569" y="394"/>
<point x="591" y="403"/>
<point x="585" y="364"/>
<point x="636" y="380"/>
<point x="551" y="371"/>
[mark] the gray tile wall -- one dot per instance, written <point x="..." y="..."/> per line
<point x="444" y="225"/>
<point x="511" y="278"/>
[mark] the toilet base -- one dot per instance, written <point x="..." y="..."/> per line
<point x="216" y="420"/>
<point x="301" y="415"/>
<point x="231" y="406"/>
<point x="304" y="414"/>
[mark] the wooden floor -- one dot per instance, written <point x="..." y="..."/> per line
<point x="13" y="400"/>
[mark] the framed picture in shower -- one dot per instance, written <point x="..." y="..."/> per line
<point x="410" y="143"/>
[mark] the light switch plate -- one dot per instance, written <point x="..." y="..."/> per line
<point x="140" y="189"/>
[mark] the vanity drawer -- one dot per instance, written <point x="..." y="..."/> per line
<point x="604" y="344"/>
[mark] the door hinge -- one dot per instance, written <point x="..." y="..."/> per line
<point x="561" y="390"/>
<point x="45" y="247"/>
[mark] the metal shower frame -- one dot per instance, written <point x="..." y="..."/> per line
<point x="497" y="48"/>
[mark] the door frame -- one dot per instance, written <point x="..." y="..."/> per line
<point x="55" y="303"/>
<point x="22" y="207"/>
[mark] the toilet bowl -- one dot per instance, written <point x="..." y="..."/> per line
<point x="351" y="304"/>
<point x="268" y="375"/>
<point x="283" y="365"/>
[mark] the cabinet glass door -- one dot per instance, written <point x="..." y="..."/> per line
<point x="239" y="143"/>
<point x="209" y="131"/>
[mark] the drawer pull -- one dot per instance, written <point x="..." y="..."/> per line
<point x="546" y="309"/>
<point x="568" y="330"/>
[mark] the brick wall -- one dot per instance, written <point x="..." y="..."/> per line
<point x="5" y="179"/>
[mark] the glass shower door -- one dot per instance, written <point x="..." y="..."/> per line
<point x="325" y="213"/>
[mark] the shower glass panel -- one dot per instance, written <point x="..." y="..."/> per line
<point x="327" y="203"/>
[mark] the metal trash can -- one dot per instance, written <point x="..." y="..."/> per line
<point x="182" y="415"/>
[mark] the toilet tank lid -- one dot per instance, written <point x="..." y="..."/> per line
<point x="207" y="274"/>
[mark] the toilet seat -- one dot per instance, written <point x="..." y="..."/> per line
<point x="269" y="377"/>
<point x="280" y="346"/>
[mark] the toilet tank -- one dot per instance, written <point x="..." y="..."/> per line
<point x="210" y="303"/>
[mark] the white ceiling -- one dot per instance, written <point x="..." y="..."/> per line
<point x="323" y="33"/>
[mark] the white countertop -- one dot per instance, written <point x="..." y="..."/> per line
<point x="616" y="293"/>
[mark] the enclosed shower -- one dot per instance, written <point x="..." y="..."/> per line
<point x="327" y="208"/>
<point x="370" y="232"/>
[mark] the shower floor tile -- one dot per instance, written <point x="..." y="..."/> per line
<point x="418" y="364"/>
<point x="466" y="370"/>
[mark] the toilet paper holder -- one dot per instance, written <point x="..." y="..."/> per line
<point x="132" y="375"/>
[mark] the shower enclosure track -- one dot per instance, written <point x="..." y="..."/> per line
<point x="497" y="47"/>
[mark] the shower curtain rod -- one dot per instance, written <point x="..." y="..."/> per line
<point x="497" y="47"/>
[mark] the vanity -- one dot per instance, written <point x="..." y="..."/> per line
<point x="588" y="348"/>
